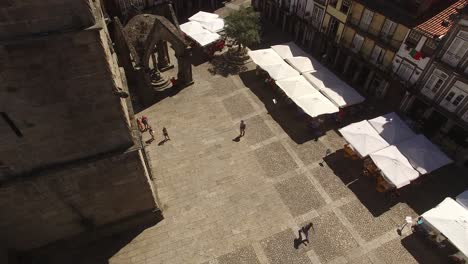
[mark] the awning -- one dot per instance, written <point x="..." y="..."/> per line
<point x="395" y="167"/>
<point x="191" y="28"/>
<point x="363" y="138"/>
<point x="423" y="155"/>
<point x="206" y="37"/>
<point x="301" y="64"/>
<point x="203" y="17"/>
<point x="332" y="87"/>
<point x="288" y="50"/>
<point x="296" y="86"/>
<point x="280" y="71"/>
<point x="214" y="25"/>
<point x="451" y="219"/>
<point x="315" y="104"/>
<point x="392" y="128"/>
<point x="263" y="57"/>
<point x="462" y="199"/>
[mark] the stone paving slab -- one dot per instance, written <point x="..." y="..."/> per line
<point x="329" y="238"/>
<point x="244" y="255"/>
<point x="279" y="249"/>
<point x="330" y="182"/>
<point x="274" y="159"/>
<point x="238" y="106"/>
<point x="299" y="195"/>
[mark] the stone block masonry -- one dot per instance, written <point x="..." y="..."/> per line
<point x="57" y="204"/>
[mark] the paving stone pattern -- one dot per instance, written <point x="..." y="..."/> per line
<point x="243" y="202"/>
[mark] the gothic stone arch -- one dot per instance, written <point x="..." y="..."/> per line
<point x="148" y="31"/>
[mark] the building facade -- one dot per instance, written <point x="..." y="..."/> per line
<point x="440" y="98"/>
<point x="71" y="160"/>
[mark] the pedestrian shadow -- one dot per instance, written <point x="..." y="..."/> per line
<point x="162" y="142"/>
<point x="236" y="139"/>
<point x="297" y="242"/>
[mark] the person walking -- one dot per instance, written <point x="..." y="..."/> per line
<point x="165" y="134"/>
<point x="140" y="125"/>
<point x="242" y="128"/>
<point x="151" y="132"/>
<point x="305" y="230"/>
<point x="144" y="120"/>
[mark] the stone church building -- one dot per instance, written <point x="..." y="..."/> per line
<point x="71" y="156"/>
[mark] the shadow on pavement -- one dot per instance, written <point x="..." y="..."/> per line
<point x="423" y="251"/>
<point x="421" y="196"/>
<point x="87" y="249"/>
<point x="220" y="66"/>
<point x="349" y="172"/>
<point x="286" y="115"/>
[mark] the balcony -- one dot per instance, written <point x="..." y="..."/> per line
<point x="375" y="34"/>
<point x="321" y="2"/>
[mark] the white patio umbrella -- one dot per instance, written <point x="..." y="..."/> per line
<point x="280" y="71"/>
<point x="451" y="219"/>
<point x="315" y="104"/>
<point x="394" y="166"/>
<point x="363" y="138"/>
<point x="296" y="86"/>
<point x="288" y="50"/>
<point x="423" y="155"/>
<point x="214" y="25"/>
<point x="191" y="28"/>
<point x="203" y="17"/>
<point x="206" y="37"/>
<point x="263" y="57"/>
<point x="301" y="64"/>
<point x="391" y="128"/>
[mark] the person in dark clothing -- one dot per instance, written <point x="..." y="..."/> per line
<point x="242" y="128"/>
<point x="144" y="120"/>
<point x="305" y="230"/>
<point x="166" y="135"/>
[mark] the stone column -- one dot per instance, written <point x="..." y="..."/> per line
<point x="184" y="76"/>
<point x="163" y="56"/>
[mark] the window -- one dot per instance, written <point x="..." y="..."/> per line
<point x="377" y="55"/>
<point x="345" y="6"/>
<point x="366" y="19"/>
<point x="429" y="48"/>
<point x="333" y="3"/>
<point x="434" y="83"/>
<point x="413" y="38"/>
<point x="357" y="43"/>
<point x="405" y="71"/>
<point x="11" y="124"/>
<point x="388" y="29"/>
<point x="317" y="15"/>
<point x="457" y="49"/>
<point x="455" y="97"/>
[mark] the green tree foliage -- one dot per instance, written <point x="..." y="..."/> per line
<point x="243" y="25"/>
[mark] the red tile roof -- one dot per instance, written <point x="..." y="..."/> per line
<point x="433" y="26"/>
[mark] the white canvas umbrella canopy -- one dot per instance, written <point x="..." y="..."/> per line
<point x="191" y="28"/>
<point x="451" y="219"/>
<point x="363" y="138"/>
<point x="280" y="71"/>
<point x="203" y="17"/>
<point x="296" y="86"/>
<point x="263" y="57"/>
<point x="423" y="155"/>
<point x="332" y="87"/>
<point x="288" y="50"/>
<point x="392" y="128"/>
<point x="301" y="64"/>
<point x="206" y="37"/>
<point x="315" y="104"/>
<point x="462" y="199"/>
<point x="394" y="166"/>
<point x="214" y="25"/>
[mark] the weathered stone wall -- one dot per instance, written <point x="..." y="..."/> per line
<point x="59" y="92"/>
<point x="25" y="17"/>
<point x="61" y="203"/>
